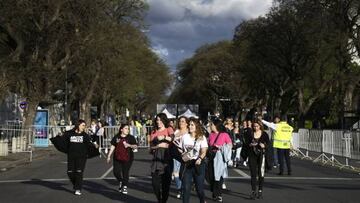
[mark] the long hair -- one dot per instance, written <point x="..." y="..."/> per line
<point x="219" y="125"/>
<point x="258" y="121"/>
<point x="163" y="119"/>
<point x="78" y="123"/>
<point x="199" y="133"/>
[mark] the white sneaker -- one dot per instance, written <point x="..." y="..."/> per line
<point x="245" y="164"/>
<point x="120" y="186"/>
<point x="77" y="192"/>
<point x="124" y="190"/>
<point x="223" y="186"/>
<point x="178" y="195"/>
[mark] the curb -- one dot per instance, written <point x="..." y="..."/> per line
<point x="36" y="155"/>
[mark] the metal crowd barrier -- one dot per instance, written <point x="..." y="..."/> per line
<point x="329" y="143"/>
<point x="14" y="139"/>
<point x="141" y="135"/>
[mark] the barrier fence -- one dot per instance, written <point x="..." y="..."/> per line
<point x="15" y="139"/>
<point x="330" y="144"/>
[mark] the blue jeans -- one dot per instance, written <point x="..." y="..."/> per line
<point x="177" y="171"/>
<point x="191" y="174"/>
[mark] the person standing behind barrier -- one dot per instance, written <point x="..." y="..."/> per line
<point x="100" y="134"/>
<point x="93" y="129"/>
<point x="282" y="142"/>
<point x="258" y="142"/>
<point x="217" y="139"/>
<point x="123" y="145"/>
<point x="78" y="142"/>
<point x="183" y="124"/>
<point x="196" y="145"/>
<point x="161" y="166"/>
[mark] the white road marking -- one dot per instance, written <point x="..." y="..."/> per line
<point x="107" y="172"/>
<point x="300" y="178"/>
<point x="242" y="173"/>
<point x="149" y="177"/>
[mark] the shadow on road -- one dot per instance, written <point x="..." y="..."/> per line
<point x="50" y="185"/>
<point x="112" y="192"/>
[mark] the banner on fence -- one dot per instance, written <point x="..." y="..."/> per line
<point x="40" y="126"/>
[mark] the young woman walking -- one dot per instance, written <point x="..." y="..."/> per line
<point x="195" y="145"/>
<point x="183" y="129"/>
<point x="217" y="141"/>
<point x="78" y="143"/>
<point x="123" y="145"/>
<point x="258" y="143"/>
<point x="162" y="163"/>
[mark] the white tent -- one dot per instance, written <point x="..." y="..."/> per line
<point x="189" y="114"/>
<point x="356" y="125"/>
<point x="168" y="114"/>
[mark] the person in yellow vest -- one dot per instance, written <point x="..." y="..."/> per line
<point x="282" y="142"/>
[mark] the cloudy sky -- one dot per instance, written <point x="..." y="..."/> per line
<point x="179" y="27"/>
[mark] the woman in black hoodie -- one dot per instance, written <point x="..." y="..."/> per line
<point x="78" y="143"/>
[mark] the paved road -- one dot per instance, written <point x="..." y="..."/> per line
<point x="46" y="181"/>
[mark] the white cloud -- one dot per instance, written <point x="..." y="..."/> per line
<point x="161" y="51"/>
<point x="179" y="27"/>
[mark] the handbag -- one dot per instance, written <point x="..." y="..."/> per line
<point x="211" y="153"/>
<point x="186" y="157"/>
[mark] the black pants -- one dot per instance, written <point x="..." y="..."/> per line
<point x="257" y="169"/>
<point x="281" y="154"/>
<point x="75" y="171"/>
<point x="215" y="186"/>
<point x="121" y="171"/>
<point x="161" y="185"/>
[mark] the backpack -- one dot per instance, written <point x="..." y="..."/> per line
<point x="121" y="153"/>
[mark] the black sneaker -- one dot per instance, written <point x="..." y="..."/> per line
<point x="219" y="199"/>
<point x="280" y="174"/>
<point x="253" y="195"/>
<point x="259" y="195"/>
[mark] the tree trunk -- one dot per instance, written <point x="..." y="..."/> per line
<point x="277" y="105"/>
<point x="104" y="106"/>
<point x="348" y="99"/>
<point x="85" y="111"/>
<point x="30" y="113"/>
<point x="301" y="108"/>
<point x="85" y="103"/>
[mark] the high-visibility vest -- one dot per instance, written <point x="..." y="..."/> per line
<point x="282" y="136"/>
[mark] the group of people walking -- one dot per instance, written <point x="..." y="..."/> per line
<point x="189" y="154"/>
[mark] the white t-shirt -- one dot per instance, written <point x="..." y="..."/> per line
<point x="187" y="144"/>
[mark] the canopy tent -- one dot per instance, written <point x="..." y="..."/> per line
<point x="168" y="114"/>
<point x="356" y="125"/>
<point x="189" y="114"/>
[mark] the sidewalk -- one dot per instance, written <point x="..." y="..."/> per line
<point x="20" y="158"/>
